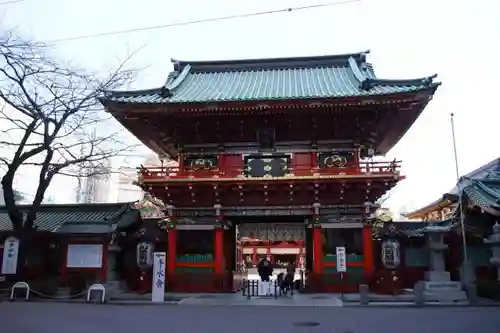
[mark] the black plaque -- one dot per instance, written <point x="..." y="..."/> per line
<point x="339" y="159"/>
<point x="267" y="166"/>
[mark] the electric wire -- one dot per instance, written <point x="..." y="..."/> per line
<point x="206" y="20"/>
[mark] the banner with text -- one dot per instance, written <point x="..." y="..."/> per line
<point x="159" y="263"/>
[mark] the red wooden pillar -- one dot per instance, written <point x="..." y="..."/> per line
<point x="368" y="251"/>
<point x="219" y="241"/>
<point x="367" y="242"/>
<point x="172" y="251"/>
<point x="219" y="250"/>
<point x="254" y="255"/>
<point x="219" y="254"/>
<point x="172" y="242"/>
<point x="317" y="240"/>
<point x="317" y="250"/>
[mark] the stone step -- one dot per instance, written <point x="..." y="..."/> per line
<point x="129" y="296"/>
<point x="442" y="285"/>
<point x="446" y="296"/>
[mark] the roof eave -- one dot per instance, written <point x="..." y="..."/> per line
<point x="332" y="100"/>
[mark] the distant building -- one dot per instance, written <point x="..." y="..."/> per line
<point x="445" y="207"/>
<point x="94" y="183"/>
<point x="49" y="200"/>
<point x="125" y="189"/>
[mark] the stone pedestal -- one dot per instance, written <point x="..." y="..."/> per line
<point x="113" y="284"/>
<point x="437" y="286"/>
<point x="493" y="241"/>
<point x="113" y="251"/>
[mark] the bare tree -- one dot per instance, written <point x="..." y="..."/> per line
<point x="49" y="118"/>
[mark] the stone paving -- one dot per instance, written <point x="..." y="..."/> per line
<point x="239" y="300"/>
<point x="19" y="317"/>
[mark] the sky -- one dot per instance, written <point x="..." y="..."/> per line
<point x="458" y="40"/>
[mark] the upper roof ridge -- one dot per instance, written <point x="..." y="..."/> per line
<point x="268" y="63"/>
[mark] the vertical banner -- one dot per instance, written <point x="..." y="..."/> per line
<point x="10" y="254"/>
<point x="159" y="263"/>
<point x="341" y="260"/>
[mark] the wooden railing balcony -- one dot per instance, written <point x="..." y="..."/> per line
<point x="234" y="172"/>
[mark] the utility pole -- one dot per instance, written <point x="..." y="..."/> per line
<point x="460" y="203"/>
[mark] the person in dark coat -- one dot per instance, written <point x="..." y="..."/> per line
<point x="290" y="272"/>
<point x="265" y="270"/>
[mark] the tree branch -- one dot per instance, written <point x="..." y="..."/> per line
<point x="51" y="109"/>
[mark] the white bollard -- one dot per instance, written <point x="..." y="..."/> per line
<point x="99" y="288"/>
<point x="19" y="285"/>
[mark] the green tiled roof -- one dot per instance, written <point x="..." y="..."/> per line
<point x="408" y="229"/>
<point x="334" y="76"/>
<point x="77" y="218"/>
<point x="485" y="192"/>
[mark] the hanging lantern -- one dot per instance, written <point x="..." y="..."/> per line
<point x="390" y="253"/>
<point x="144" y="254"/>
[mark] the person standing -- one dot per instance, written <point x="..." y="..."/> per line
<point x="290" y="273"/>
<point x="265" y="270"/>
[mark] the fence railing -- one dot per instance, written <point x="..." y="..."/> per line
<point x="239" y="171"/>
<point x="257" y="288"/>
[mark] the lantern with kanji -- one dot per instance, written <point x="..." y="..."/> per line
<point x="144" y="254"/>
<point x="390" y="253"/>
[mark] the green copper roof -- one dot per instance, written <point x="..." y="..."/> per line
<point x="334" y="76"/>
<point x="77" y="218"/>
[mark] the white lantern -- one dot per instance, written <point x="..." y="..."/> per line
<point x="144" y="254"/>
<point x="390" y="253"/>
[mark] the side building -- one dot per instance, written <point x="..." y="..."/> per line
<point x="445" y="207"/>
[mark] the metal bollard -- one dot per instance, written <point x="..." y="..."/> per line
<point x="248" y="289"/>
<point x="275" y="289"/>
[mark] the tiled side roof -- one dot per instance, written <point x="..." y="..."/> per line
<point x="271" y="79"/>
<point x="485" y="192"/>
<point x="489" y="170"/>
<point x="408" y="229"/>
<point x="52" y="218"/>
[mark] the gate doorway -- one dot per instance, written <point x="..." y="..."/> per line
<point x="279" y="239"/>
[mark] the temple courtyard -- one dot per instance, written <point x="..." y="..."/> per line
<point x="83" y="318"/>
